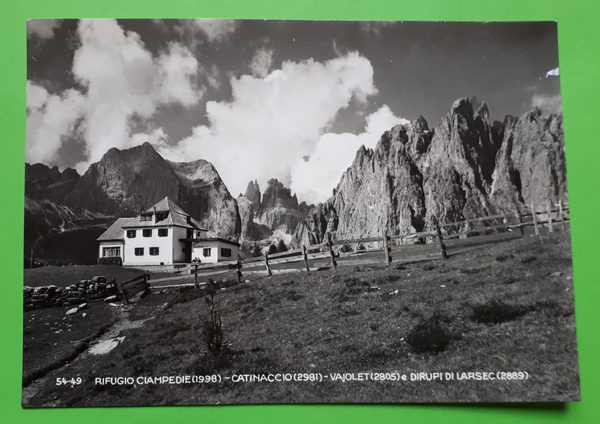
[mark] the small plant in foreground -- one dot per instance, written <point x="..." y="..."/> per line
<point x="212" y="331"/>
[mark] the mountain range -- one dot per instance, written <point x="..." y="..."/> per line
<point x="465" y="167"/>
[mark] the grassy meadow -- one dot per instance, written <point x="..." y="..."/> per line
<point x="502" y="307"/>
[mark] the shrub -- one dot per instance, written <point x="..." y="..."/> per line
<point x="281" y="247"/>
<point x="428" y="336"/>
<point x="256" y="251"/>
<point x="272" y="249"/>
<point x="212" y="329"/>
<point x="346" y="248"/>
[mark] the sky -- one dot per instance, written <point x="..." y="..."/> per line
<point x="262" y="99"/>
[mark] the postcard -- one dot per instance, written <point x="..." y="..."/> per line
<point x="269" y="211"/>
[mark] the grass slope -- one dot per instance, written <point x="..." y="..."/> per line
<point x="502" y="307"/>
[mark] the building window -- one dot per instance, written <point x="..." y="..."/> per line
<point x="139" y="251"/>
<point x="146" y="217"/>
<point x="111" y="252"/>
<point x="147" y="233"/>
<point x="154" y="251"/>
<point x="163" y="232"/>
<point x="206" y="252"/>
<point x="226" y="253"/>
<point x="130" y="233"/>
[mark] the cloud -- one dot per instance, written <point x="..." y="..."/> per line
<point x="42" y="28"/>
<point x="275" y="116"/>
<point x="49" y="118"/>
<point x="553" y="72"/>
<point x="261" y="63"/>
<point x="375" y="27"/>
<point x="313" y="180"/>
<point x="548" y="104"/>
<point x="274" y="121"/>
<point x="122" y="80"/>
<point x="215" y="29"/>
<point x="178" y="69"/>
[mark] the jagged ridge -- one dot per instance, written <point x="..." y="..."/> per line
<point x="466" y="167"/>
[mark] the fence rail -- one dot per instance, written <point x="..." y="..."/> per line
<point x="548" y="215"/>
<point x="130" y="289"/>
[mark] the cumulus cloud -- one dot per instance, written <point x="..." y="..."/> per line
<point x="261" y="63"/>
<point x="314" y="179"/>
<point x="548" y="104"/>
<point x="273" y="121"/>
<point x="49" y="118"/>
<point x="42" y="28"/>
<point x="122" y="80"/>
<point x="275" y="116"/>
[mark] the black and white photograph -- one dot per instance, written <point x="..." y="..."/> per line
<point x="226" y="211"/>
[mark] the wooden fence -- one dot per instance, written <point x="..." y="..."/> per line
<point x="550" y="216"/>
<point x="135" y="287"/>
<point x="536" y="216"/>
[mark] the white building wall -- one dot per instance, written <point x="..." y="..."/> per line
<point x="215" y="247"/>
<point x="103" y="244"/>
<point x="164" y="244"/>
<point x="177" y="233"/>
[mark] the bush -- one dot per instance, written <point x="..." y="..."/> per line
<point x="256" y="251"/>
<point x="272" y="249"/>
<point x="428" y="336"/>
<point x="346" y="248"/>
<point x="281" y="247"/>
<point x="496" y="312"/>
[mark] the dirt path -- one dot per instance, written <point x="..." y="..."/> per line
<point x="102" y="344"/>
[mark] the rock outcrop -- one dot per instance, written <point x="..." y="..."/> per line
<point x="45" y="183"/>
<point x="253" y="196"/>
<point x="202" y="194"/>
<point x="530" y="166"/>
<point x="124" y="182"/>
<point x="275" y="211"/>
<point x="468" y="167"/>
<point x="458" y="168"/>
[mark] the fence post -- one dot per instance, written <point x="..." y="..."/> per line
<point x="385" y="247"/>
<point x="537" y="231"/>
<point x="520" y="218"/>
<point x="239" y="271"/>
<point x="333" y="263"/>
<point x="267" y="265"/>
<point x="196" y="274"/>
<point x="439" y="236"/>
<point x="305" y="257"/>
<point x="122" y="292"/>
<point x="562" y="216"/>
<point x="549" y="211"/>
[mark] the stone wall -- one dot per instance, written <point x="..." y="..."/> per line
<point x="84" y="291"/>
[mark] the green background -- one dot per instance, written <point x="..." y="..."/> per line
<point x="579" y="46"/>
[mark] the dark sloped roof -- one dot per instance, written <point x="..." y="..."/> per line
<point x="175" y="216"/>
<point x="115" y="231"/>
